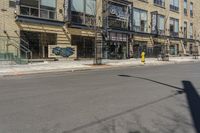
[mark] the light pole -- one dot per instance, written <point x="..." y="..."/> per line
<point x="98" y="37"/>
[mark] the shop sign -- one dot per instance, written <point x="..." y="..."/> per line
<point x="62" y="51"/>
<point x="113" y="36"/>
<point x="125" y="38"/>
<point x="118" y="37"/>
<point x="154" y="21"/>
<point x="118" y="12"/>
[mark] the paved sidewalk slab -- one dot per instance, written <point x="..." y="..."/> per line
<point x="83" y="65"/>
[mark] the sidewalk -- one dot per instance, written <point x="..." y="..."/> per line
<point x="83" y="65"/>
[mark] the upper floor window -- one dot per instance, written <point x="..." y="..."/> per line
<point x="174" y="27"/>
<point x="161" y="24"/>
<point x="140" y="20"/>
<point x="185" y="7"/>
<point x="185" y="30"/>
<point x="83" y="11"/>
<point x="118" y="15"/>
<point x="38" y="8"/>
<point x="12" y="3"/>
<point x="174" y="5"/>
<point x="191" y="30"/>
<point x="160" y="3"/>
<point x="191" y="9"/>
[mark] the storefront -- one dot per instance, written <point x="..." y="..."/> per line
<point x="117" y="46"/>
<point x="138" y="47"/>
<point x="39" y="42"/>
<point x="85" y="46"/>
<point x="117" y="29"/>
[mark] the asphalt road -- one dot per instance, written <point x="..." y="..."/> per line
<point x="120" y="100"/>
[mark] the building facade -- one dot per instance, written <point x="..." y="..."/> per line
<point x="71" y="28"/>
<point x="165" y="26"/>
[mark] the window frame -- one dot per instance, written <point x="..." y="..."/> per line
<point x="51" y="14"/>
<point x="146" y="22"/>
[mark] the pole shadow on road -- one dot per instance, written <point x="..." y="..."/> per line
<point x="192" y="96"/>
<point x="188" y="89"/>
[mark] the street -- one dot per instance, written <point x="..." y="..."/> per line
<point x="157" y="99"/>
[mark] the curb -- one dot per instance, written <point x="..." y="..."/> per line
<point x="93" y="68"/>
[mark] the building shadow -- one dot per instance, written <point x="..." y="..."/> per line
<point x="193" y="100"/>
<point x="188" y="89"/>
<point x="192" y="96"/>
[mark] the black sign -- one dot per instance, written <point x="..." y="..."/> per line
<point x="154" y="22"/>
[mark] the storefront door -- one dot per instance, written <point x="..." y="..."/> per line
<point x="85" y="46"/>
<point x="38" y="42"/>
<point x="117" y="50"/>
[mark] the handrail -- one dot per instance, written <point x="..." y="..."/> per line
<point x="25" y="42"/>
<point x="21" y="47"/>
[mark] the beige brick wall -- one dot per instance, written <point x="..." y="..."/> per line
<point x="60" y="10"/>
<point x="7" y="19"/>
<point x="149" y="7"/>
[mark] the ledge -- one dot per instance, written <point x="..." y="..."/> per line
<point x="28" y="19"/>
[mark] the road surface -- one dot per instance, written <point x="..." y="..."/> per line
<point x="120" y="100"/>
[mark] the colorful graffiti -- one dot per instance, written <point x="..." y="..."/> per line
<point x="64" y="52"/>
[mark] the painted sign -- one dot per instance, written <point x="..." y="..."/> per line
<point x="118" y="11"/>
<point x="62" y="51"/>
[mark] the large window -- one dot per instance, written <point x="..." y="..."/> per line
<point x="38" y="8"/>
<point x="185" y="7"/>
<point x="191" y="9"/>
<point x="140" y="20"/>
<point x="185" y="30"/>
<point x="174" y="27"/>
<point x="174" y="5"/>
<point x="161" y="24"/>
<point x="191" y="30"/>
<point x="118" y="16"/>
<point x="159" y="2"/>
<point x="83" y="11"/>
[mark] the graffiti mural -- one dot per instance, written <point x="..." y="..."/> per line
<point x="62" y="51"/>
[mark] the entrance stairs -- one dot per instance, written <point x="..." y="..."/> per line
<point x="14" y="52"/>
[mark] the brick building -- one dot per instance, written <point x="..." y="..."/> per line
<point x="127" y="27"/>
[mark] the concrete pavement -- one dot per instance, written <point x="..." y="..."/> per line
<point x="83" y="65"/>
